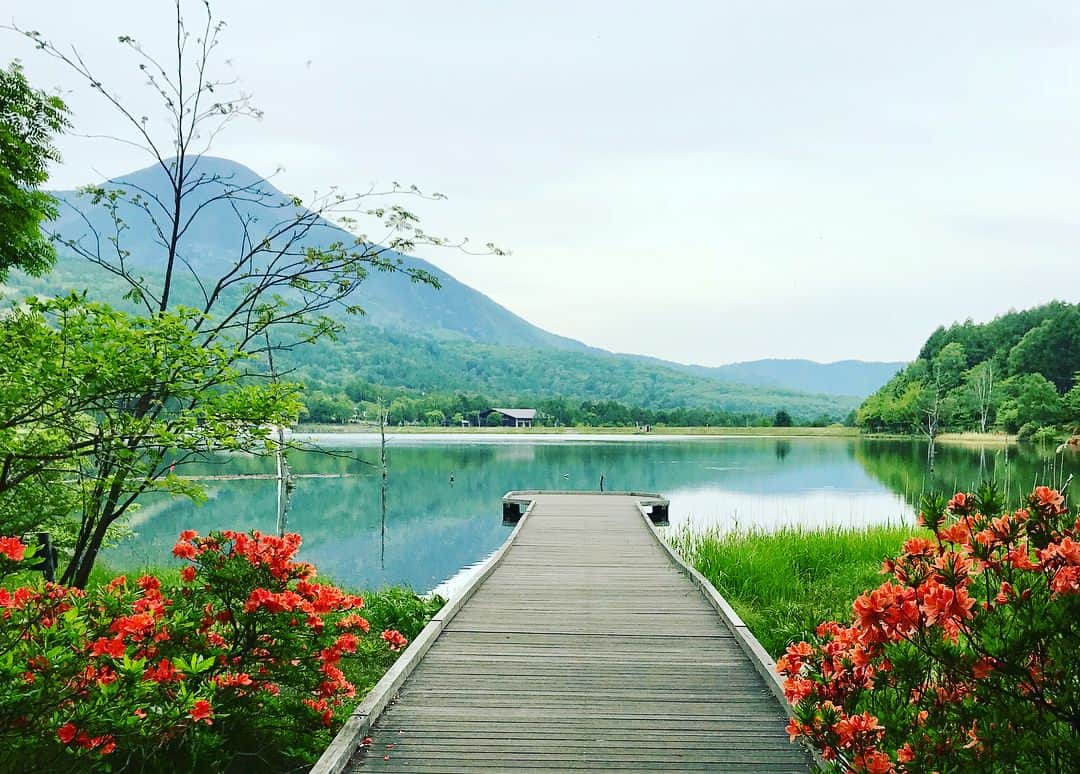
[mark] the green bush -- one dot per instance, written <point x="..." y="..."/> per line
<point x="1027" y="431"/>
<point x="244" y="662"/>
<point x="964" y="659"/>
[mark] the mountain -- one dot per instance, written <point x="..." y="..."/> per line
<point x="412" y="335"/>
<point x="455" y="312"/>
<point x="396" y="359"/>
<point x="843" y="377"/>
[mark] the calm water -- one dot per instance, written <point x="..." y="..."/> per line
<point x="435" y="527"/>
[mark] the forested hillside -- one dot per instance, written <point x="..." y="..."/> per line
<point x="1017" y="373"/>
<point x="415" y="339"/>
<point x="424" y="377"/>
<point x="843" y="377"/>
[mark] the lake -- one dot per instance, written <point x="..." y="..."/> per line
<point x="443" y="502"/>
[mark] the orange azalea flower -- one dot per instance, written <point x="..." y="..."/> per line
<point x="1020" y="558"/>
<point x="233" y="680"/>
<point x="959" y="532"/>
<point x="851" y="727"/>
<point x="1066" y="581"/>
<point x="184" y="550"/>
<point x="982" y="668"/>
<point x="874" y="762"/>
<point x="1004" y="593"/>
<point x="1049" y="499"/>
<point x="395" y="639"/>
<point x="1069" y="550"/>
<point x="202" y="711"/>
<point x="954" y="566"/>
<point x="918" y="546"/>
<point x="796" y="689"/>
<point x="104" y="646"/>
<point x="164" y="672"/>
<point x="794" y="730"/>
<point x="135" y="627"/>
<point x="801" y="649"/>
<point x="12" y="548"/>
<point x="148" y="583"/>
<point x="66" y="732"/>
<point x="354" y="621"/>
<point x="960" y="503"/>
<point x="940" y="603"/>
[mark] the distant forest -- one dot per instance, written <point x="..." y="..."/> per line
<point x="1019" y="373"/>
<point x="359" y="401"/>
<point x="431" y="381"/>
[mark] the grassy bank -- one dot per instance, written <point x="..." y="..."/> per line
<point x="974" y="439"/>
<point x="783" y="584"/>
<point x="768" y="432"/>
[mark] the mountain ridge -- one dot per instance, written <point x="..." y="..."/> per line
<point x="455" y="315"/>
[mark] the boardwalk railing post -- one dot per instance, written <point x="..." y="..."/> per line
<point x="47" y="565"/>
<point x="659" y="513"/>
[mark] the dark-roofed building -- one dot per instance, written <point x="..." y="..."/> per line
<point x="511" y="417"/>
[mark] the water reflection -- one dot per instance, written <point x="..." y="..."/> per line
<point x="443" y="503"/>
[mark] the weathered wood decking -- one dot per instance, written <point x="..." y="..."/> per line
<point x="587" y="646"/>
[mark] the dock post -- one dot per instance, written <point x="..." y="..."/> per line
<point x="658" y="513"/>
<point x="511" y="512"/>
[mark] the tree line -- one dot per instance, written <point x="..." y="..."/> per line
<point x="360" y="401"/>
<point x="1019" y="373"/>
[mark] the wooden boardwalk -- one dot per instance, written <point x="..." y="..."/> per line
<point x="586" y="647"/>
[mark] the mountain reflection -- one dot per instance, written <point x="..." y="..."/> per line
<point x="437" y="525"/>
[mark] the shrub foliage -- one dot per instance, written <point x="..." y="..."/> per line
<point x="240" y="665"/>
<point x="965" y="659"/>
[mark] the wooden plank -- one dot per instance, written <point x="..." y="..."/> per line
<point x="586" y="648"/>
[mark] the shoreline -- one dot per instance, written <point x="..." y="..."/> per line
<point x="764" y="432"/>
<point x="968" y="438"/>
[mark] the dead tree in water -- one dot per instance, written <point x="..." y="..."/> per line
<point x="930" y="425"/>
<point x="285" y="481"/>
<point x="982" y="386"/>
<point x="384" y="415"/>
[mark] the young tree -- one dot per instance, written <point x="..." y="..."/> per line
<point x="948" y="366"/>
<point x="1030" y="399"/>
<point x="29" y="121"/>
<point x="98" y="406"/>
<point x="292" y="265"/>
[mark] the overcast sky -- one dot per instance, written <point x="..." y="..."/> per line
<point x="704" y="181"/>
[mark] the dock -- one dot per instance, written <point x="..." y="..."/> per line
<point x="583" y="643"/>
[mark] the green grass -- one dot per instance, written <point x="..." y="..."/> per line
<point x="783" y="584"/>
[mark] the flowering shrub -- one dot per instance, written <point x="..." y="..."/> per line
<point x="965" y="659"/>
<point x="241" y="663"/>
